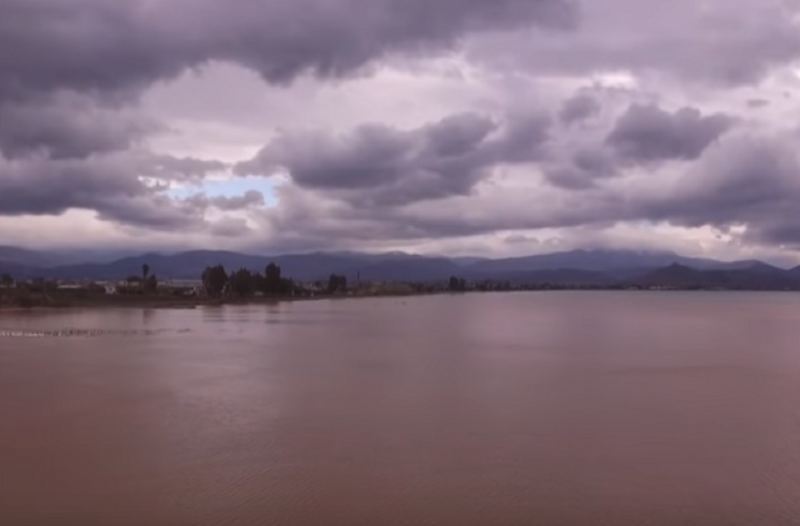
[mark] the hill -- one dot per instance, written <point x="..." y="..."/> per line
<point x="601" y="261"/>
<point x="755" y="277"/>
<point x="579" y="267"/>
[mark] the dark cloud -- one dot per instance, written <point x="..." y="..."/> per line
<point x="43" y="186"/>
<point x="113" y="185"/>
<point x="376" y="164"/>
<point x="520" y="239"/>
<point x="189" y="169"/>
<point x="251" y="198"/>
<point x="71" y="72"/>
<point x="716" y="42"/>
<point x="154" y="211"/>
<point x="578" y="108"/>
<point x="648" y="133"/>
<point x="230" y="227"/>
<point x="54" y="52"/>
<point x="586" y="167"/>
<point x="120" y="47"/>
<point x="748" y="180"/>
<point x="745" y="180"/>
<point x="67" y="127"/>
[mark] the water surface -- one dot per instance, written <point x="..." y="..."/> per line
<point x="500" y="409"/>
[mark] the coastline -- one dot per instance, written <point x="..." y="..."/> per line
<point x="138" y="302"/>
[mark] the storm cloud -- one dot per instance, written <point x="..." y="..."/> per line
<point x="376" y="164"/>
<point x="68" y="127"/>
<point x="719" y="42"/>
<point x="578" y="108"/>
<point x="402" y="124"/>
<point x="122" y="47"/>
<point x="648" y="133"/>
<point x="128" y="188"/>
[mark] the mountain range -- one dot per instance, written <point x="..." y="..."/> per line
<point x="577" y="267"/>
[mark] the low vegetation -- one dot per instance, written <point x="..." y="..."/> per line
<point x="217" y="285"/>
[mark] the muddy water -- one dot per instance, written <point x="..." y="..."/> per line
<point x="541" y="409"/>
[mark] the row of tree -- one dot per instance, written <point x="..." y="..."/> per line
<point x="457" y="284"/>
<point x="244" y="283"/>
<point x="145" y="283"/>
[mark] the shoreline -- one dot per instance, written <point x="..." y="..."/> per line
<point x="191" y="304"/>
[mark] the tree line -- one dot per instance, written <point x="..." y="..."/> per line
<point x="244" y="283"/>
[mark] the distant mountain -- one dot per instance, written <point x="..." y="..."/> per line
<point x="756" y="277"/>
<point x="29" y="258"/>
<point x="421" y="269"/>
<point x="600" y="261"/>
<point x="43" y="258"/>
<point x="556" y="277"/>
<point x="190" y="265"/>
<point x="579" y="267"/>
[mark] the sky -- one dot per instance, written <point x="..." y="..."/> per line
<point x="457" y="127"/>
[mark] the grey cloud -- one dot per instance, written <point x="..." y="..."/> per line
<point x="458" y="135"/>
<point x="44" y="186"/>
<point x="370" y="156"/>
<point x="104" y="54"/>
<point x="110" y="185"/>
<point x="519" y="239"/>
<point x="745" y="179"/>
<point x="720" y="42"/>
<point x="586" y="167"/>
<point x="69" y="71"/>
<point x="248" y="199"/>
<point x="748" y="180"/>
<point x="97" y="46"/>
<point x="251" y="198"/>
<point x="157" y="212"/>
<point x="306" y="218"/>
<point x="757" y="103"/>
<point x="181" y="168"/>
<point x="578" y="108"/>
<point x="648" y="133"/>
<point x="67" y="127"/>
<point x="569" y="178"/>
<point x="376" y="164"/>
<point x="521" y="139"/>
<point x="230" y="227"/>
<point x="594" y="160"/>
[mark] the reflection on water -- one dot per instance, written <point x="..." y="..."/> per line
<point x="552" y="409"/>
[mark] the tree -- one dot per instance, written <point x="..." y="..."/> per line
<point x="337" y="284"/>
<point x="6" y="281"/>
<point x="272" y="279"/>
<point x="145" y="283"/>
<point x="242" y="283"/>
<point x="259" y="282"/>
<point x="214" y="280"/>
<point x="151" y="283"/>
<point x="457" y="285"/>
